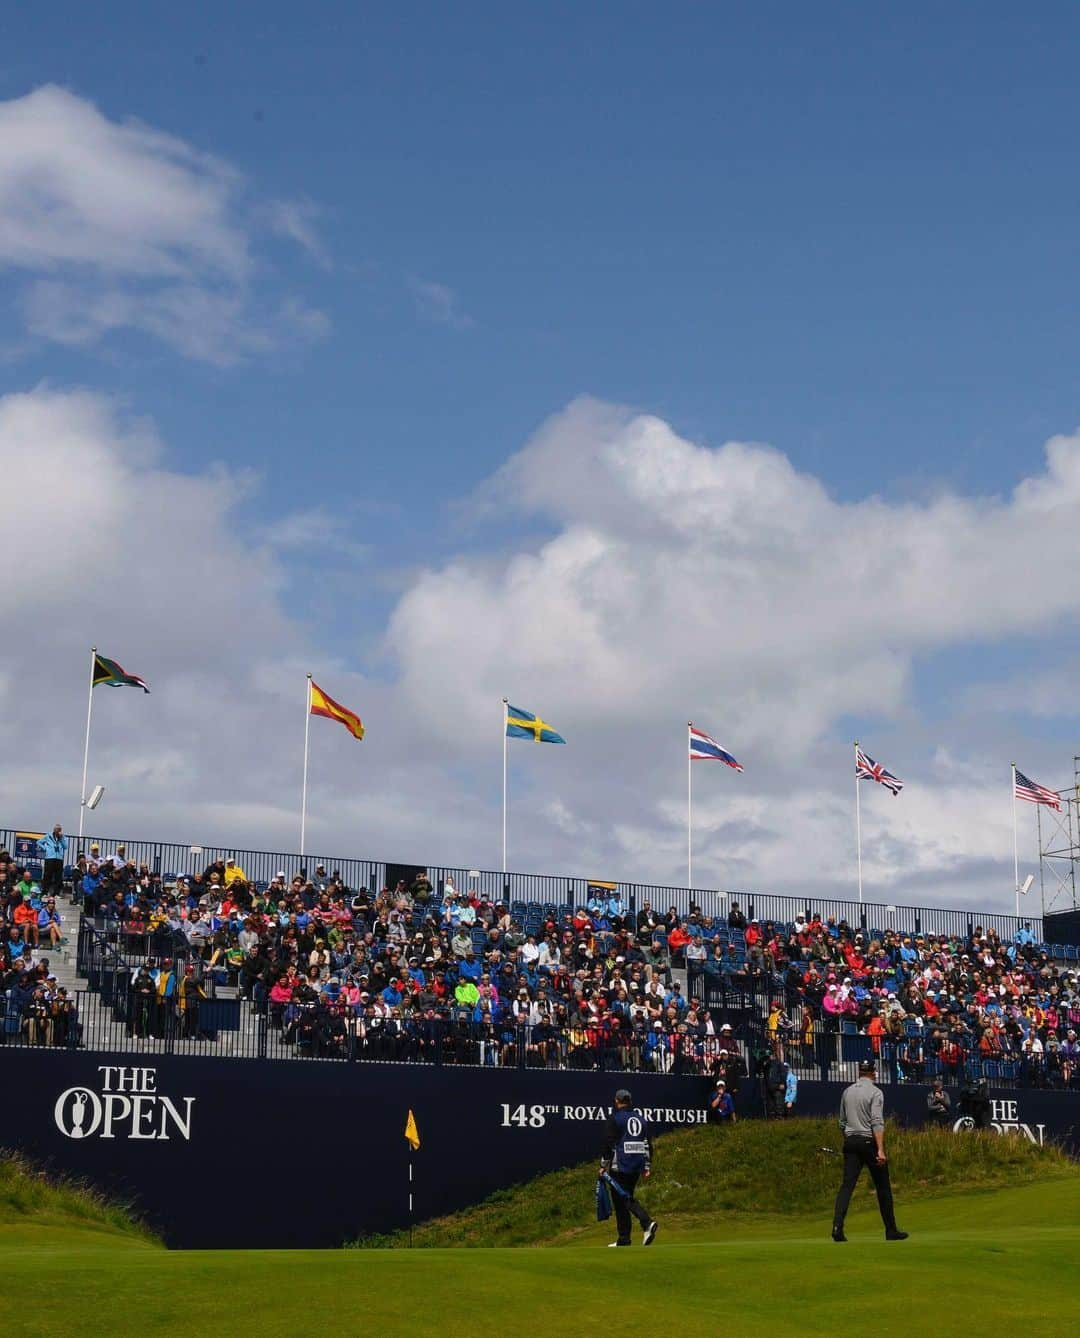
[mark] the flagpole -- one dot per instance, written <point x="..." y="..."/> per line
<point x="858" y="819"/>
<point x="689" y="811"/>
<point x="303" y="791"/>
<point x="1016" y="846"/>
<point x="504" y="719"/>
<point x="410" y="1196"/>
<point x="86" y="745"/>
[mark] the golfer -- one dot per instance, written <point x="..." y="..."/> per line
<point x="862" y="1119"/>
<point x="627" y="1155"/>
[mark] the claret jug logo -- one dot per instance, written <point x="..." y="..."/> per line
<point x="1005" y="1119"/>
<point x="127" y="1105"/>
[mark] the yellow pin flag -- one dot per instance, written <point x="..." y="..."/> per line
<point x="412" y="1133"/>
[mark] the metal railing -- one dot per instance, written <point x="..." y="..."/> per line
<point x="163" y="858"/>
<point x="124" y="1022"/>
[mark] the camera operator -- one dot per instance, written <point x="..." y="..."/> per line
<point x="65" y="1020"/>
<point x="975" y="1102"/>
<point x="38" y="1021"/>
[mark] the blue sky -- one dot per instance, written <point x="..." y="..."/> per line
<point x="844" y="232"/>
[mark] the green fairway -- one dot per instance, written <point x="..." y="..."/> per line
<point x="744" y="1248"/>
<point x="1003" y="1256"/>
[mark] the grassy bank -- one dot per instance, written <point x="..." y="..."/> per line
<point x="31" y="1201"/>
<point x="750" y="1172"/>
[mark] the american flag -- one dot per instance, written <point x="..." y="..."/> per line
<point x="704" y="748"/>
<point x="1035" y="794"/>
<point x="867" y="769"/>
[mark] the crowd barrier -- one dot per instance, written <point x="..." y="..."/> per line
<point x="112" y="1018"/>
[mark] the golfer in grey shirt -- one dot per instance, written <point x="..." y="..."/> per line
<point x="862" y="1119"/>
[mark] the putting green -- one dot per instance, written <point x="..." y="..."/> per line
<point x="983" y="1261"/>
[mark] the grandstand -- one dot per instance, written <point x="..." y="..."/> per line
<point x="244" y="954"/>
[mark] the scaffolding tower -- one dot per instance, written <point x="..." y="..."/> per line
<point x="1059" y="849"/>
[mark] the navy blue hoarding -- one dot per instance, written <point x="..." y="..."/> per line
<point x="218" y="1153"/>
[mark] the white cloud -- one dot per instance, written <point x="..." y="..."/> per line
<point x="127" y="227"/>
<point x="674" y="581"/>
<point x="722" y="584"/>
<point x="437" y="303"/>
<point x="1044" y="693"/>
<point x="297" y="221"/>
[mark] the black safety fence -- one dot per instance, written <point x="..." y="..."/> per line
<point x="125" y="1021"/>
<point x="169" y="860"/>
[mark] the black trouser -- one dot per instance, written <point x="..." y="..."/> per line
<point x="52" y="878"/>
<point x="860" y="1152"/>
<point x="624" y="1206"/>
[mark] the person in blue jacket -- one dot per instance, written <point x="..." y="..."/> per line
<point x="722" y="1105"/>
<point x="791" y="1091"/>
<point x="627" y="1156"/>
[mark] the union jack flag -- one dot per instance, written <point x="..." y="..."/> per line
<point x="1035" y="794"/>
<point x="867" y="769"/>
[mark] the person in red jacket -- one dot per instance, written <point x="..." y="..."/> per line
<point x="677" y="940"/>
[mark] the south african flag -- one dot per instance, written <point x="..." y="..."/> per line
<point x="114" y="675"/>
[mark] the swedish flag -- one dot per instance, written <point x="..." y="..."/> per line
<point x="524" y="725"/>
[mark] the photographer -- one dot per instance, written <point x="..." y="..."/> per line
<point x="938" y="1105"/>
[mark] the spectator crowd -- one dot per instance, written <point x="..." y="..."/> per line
<point x="418" y="971"/>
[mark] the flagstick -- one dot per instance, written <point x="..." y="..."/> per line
<point x="504" y="719"/>
<point x="410" y="1199"/>
<point x="689" y="811"/>
<point x="858" y="819"/>
<point x="1016" y="847"/>
<point x="303" y="792"/>
<point x="86" y="746"/>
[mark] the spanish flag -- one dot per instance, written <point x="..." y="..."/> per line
<point x="412" y="1133"/>
<point x="323" y="704"/>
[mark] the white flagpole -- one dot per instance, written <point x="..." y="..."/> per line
<point x="1016" y="846"/>
<point x="689" y="811"/>
<point x="504" y="719"/>
<point x="303" y="791"/>
<point x="858" y="818"/>
<point x="86" y="746"/>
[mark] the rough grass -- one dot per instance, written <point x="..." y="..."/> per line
<point x="753" y="1172"/>
<point x="30" y="1197"/>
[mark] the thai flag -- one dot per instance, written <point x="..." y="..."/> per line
<point x="704" y="748"/>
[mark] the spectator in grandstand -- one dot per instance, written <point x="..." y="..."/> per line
<point x="54" y="849"/>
